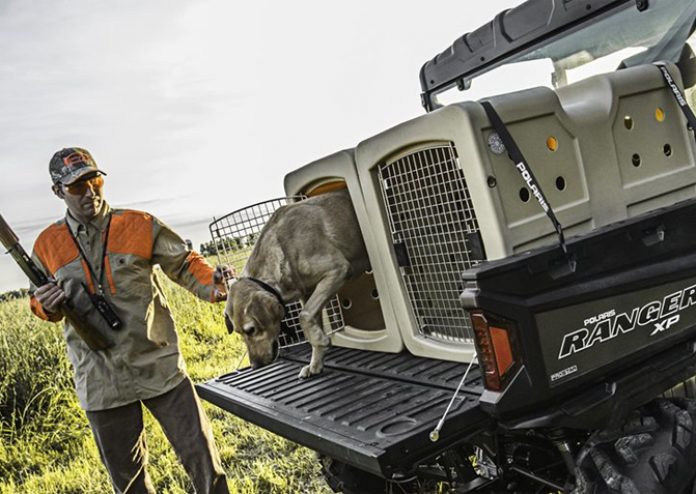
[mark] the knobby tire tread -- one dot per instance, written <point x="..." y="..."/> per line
<point x="654" y="452"/>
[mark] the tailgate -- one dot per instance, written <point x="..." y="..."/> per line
<point x="372" y="410"/>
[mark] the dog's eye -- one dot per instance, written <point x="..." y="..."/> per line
<point x="249" y="330"/>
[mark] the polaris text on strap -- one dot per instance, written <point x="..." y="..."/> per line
<point x="679" y="96"/>
<point x="523" y="168"/>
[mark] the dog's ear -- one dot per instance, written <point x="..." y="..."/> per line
<point x="270" y="311"/>
<point x="228" y="324"/>
<point x="229" y="306"/>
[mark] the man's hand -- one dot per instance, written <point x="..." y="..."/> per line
<point x="223" y="273"/>
<point x="50" y="296"/>
<point x="220" y="276"/>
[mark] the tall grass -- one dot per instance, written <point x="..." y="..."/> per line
<point x="45" y="442"/>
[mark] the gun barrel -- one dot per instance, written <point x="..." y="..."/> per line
<point x="9" y="239"/>
<point x="7" y="236"/>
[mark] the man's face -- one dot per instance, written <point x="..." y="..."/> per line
<point x="84" y="198"/>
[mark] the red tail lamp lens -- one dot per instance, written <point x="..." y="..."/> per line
<point x="494" y="346"/>
<point x="502" y="349"/>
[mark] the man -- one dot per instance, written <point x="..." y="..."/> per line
<point x="112" y="253"/>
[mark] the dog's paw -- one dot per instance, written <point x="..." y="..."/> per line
<point x="304" y="372"/>
<point x="307" y="372"/>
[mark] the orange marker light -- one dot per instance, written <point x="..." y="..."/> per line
<point x="494" y="346"/>
<point x="502" y="349"/>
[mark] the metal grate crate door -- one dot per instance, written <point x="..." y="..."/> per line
<point x="435" y="234"/>
<point x="233" y="238"/>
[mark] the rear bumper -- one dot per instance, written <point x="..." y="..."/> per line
<point x="606" y="403"/>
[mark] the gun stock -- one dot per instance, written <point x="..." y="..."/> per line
<point x="95" y="338"/>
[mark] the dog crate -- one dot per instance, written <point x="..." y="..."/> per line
<point x="233" y="238"/>
<point x="443" y="195"/>
<point x="435" y="235"/>
<point x="368" y="315"/>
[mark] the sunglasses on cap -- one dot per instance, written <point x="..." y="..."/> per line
<point x="80" y="187"/>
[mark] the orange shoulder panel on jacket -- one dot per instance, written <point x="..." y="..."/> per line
<point x="55" y="247"/>
<point x="131" y="233"/>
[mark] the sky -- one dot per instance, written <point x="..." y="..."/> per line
<point x="198" y="108"/>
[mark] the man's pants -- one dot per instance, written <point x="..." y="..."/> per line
<point x="121" y="440"/>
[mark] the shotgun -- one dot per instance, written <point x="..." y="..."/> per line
<point x="95" y="337"/>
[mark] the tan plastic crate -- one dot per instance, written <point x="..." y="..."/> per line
<point x="365" y="302"/>
<point x="440" y="194"/>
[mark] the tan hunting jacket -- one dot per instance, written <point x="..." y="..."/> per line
<point x="145" y="361"/>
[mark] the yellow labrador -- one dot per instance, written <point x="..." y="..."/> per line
<point x="306" y="251"/>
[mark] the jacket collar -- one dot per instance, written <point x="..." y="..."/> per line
<point x="99" y="222"/>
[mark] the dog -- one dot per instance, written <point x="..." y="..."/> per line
<point x="306" y="251"/>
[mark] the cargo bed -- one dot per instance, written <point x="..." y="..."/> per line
<point x="372" y="410"/>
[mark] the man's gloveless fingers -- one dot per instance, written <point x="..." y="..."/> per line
<point x="50" y="296"/>
<point x="56" y="299"/>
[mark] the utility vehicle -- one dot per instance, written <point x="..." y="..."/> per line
<point x="528" y="323"/>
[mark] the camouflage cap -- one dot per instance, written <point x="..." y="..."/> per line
<point x="69" y="164"/>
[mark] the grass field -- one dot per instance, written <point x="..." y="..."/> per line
<point x="45" y="442"/>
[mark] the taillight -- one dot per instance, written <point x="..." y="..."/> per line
<point x="494" y="338"/>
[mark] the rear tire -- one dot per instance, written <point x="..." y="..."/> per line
<point x="348" y="479"/>
<point x="654" y="452"/>
<point x="686" y="389"/>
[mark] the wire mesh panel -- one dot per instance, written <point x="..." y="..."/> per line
<point x="233" y="239"/>
<point x="435" y="232"/>
<point x="292" y="334"/>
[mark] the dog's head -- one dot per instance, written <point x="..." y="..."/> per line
<point x="256" y="315"/>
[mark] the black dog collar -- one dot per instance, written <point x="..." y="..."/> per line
<point x="268" y="288"/>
